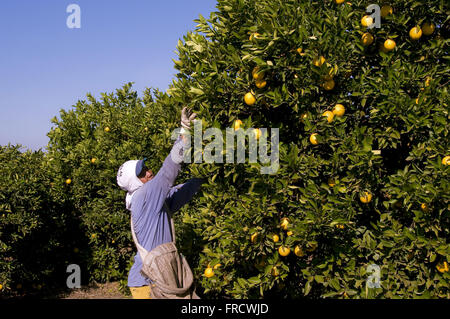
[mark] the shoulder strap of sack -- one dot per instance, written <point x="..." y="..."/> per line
<point x="142" y="251"/>
<point x="166" y="207"/>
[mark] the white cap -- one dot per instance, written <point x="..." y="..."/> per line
<point x="127" y="179"/>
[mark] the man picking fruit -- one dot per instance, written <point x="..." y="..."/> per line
<point x="152" y="199"/>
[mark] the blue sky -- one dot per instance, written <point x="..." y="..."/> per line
<point x="45" y="66"/>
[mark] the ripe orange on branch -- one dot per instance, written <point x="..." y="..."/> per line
<point x="389" y="45"/>
<point x="367" y="21"/>
<point x="260" y="84"/>
<point x="329" y="115"/>
<point x="446" y="160"/>
<point x="329" y="85"/>
<point x="257" y="74"/>
<point x="367" y="39"/>
<point x="313" y="139"/>
<point x="257" y="133"/>
<point x="298" y="251"/>
<point x="237" y="124"/>
<point x="209" y="272"/>
<point x="366" y="197"/>
<point x="319" y="61"/>
<point x="284" y="223"/>
<point x="249" y="99"/>
<point x="386" y="10"/>
<point x="415" y="33"/>
<point x="428" y="28"/>
<point x="284" y="251"/>
<point x="339" y="110"/>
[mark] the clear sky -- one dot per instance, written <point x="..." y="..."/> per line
<point x="45" y="66"/>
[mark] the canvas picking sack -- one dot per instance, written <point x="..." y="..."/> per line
<point x="168" y="269"/>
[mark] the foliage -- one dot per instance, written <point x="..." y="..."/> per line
<point x="387" y="143"/>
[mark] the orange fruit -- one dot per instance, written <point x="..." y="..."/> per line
<point x="275" y="238"/>
<point x="389" y="45"/>
<point x="386" y="10"/>
<point x="319" y="61"/>
<point x="258" y="133"/>
<point x="68" y="181"/>
<point x="366" y="21"/>
<point x="298" y="251"/>
<point x="329" y="116"/>
<point x="304" y="116"/>
<point x="424" y="207"/>
<point x="367" y="39"/>
<point x="339" y="110"/>
<point x="237" y="124"/>
<point x="249" y="99"/>
<point x="313" y="139"/>
<point x="253" y="237"/>
<point x="329" y="85"/>
<point x="415" y="33"/>
<point x="366" y="197"/>
<point x="257" y="75"/>
<point x="428" y="28"/>
<point x="260" y="84"/>
<point x="340" y="1"/>
<point x="217" y="266"/>
<point x="107" y="129"/>
<point x="442" y="267"/>
<point x="284" y="251"/>
<point x="284" y="223"/>
<point x="446" y="160"/>
<point x="209" y="272"/>
<point x="275" y="271"/>
<point x="254" y="35"/>
<point x="93" y="160"/>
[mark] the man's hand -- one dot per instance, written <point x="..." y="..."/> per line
<point x="187" y="117"/>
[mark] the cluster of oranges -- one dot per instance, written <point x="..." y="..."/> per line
<point x="284" y="250"/>
<point x="260" y="82"/>
<point x="415" y="33"/>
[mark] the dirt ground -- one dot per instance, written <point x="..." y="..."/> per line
<point x="96" y="291"/>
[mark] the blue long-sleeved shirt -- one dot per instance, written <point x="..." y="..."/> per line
<point x="151" y="222"/>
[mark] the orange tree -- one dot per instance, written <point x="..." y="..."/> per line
<point x="32" y="225"/>
<point x="365" y="184"/>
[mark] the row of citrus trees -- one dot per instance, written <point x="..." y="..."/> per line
<point x="63" y="206"/>
<point x="363" y="177"/>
